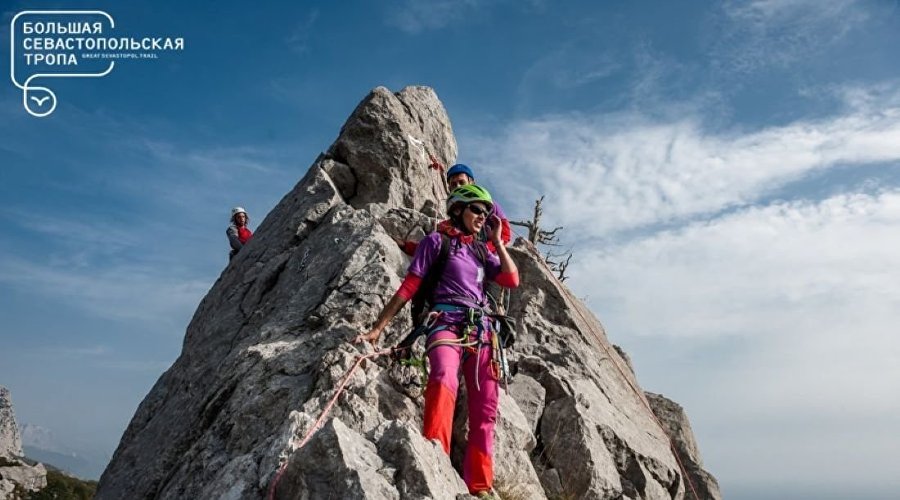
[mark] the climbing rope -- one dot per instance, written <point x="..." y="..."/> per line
<point x="433" y="164"/>
<point x="382" y="352"/>
<point x="640" y="395"/>
<point x="316" y="426"/>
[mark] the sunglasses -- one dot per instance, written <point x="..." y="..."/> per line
<point x="475" y="209"/>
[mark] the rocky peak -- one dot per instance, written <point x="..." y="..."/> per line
<point x="16" y="472"/>
<point x="10" y="441"/>
<point x="268" y="347"/>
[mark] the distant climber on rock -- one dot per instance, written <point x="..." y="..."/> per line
<point x="460" y="331"/>
<point x="462" y="175"/>
<point x="238" y="232"/>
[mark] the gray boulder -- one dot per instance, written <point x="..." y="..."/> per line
<point x="268" y="347"/>
<point x="26" y="477"/>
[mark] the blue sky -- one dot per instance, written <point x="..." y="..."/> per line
<point x="728" y="175"/>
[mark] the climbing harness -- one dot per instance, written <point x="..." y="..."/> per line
<point x="476" y="331"/>
<point x="403" y="350"/>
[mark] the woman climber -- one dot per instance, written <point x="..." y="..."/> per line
<point x="461" y="333"/>
<point x="461" y="175"/>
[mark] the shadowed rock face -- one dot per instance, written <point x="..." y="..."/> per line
<point x="267" y="347"/>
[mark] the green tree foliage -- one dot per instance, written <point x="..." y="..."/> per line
<point x="63" y="487"/>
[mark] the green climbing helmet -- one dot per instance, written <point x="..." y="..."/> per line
<point x="468" y="194"/>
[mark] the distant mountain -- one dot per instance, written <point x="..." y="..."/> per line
<point x="42" y="444"/>
<point x="72" y="463"/>
<point x="38" y="437"/>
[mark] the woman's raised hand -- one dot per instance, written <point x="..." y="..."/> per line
<point x="494" y="230"/>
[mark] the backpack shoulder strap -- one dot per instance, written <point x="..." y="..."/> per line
<point x="429" y="282"/>
<point x="437" y="268"/>
<point x="481" y="250"/>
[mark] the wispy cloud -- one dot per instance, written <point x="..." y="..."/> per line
<point x="568" y="68"/>
<point x="298" y="39"/>
<point x="152" y="258"/>
<point x="196" y="185"/>
<point x="786" y="11"/>
<point x="77" y="352"/>
<point x="77" y="232"/>
<point x="761" y="271"/>
<point x="777" y="33"/>
<point x="616" y="172"/>
<point x="785" y="317"/>
<point x="125" y="292"/>
<point x="417" y="16"/>
<point x="697" y="237"/>
<point x="98" y="356"/>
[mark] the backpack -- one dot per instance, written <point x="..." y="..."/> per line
<point x="423" y="300"/>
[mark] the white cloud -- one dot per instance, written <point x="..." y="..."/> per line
<point x="568" y="67"/>
<point x="806" y="297"/>
<point x="78" y="232"/>
<point x="76" y="352"/>
<point x="783" y="313"/>
<point x="118" y="292"/>
<point x="762" y="270"/>
<point x="153" y="259"/>
<point x="783" y="11"/>
<point x="298" y="39"/>
<point x="417" y="16"/>
<point x="619" y="172"/>
<point x="764" y="33"/>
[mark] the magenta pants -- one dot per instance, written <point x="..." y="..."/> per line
<point x="483" y="399"/>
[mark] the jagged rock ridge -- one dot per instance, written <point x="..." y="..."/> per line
<point x="17" y="475"/>
<point x="268" y="345"/>
<point x="10" y="441"/>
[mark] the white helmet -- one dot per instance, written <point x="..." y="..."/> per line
<point x="238" y="210"/>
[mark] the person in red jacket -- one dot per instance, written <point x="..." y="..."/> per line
<point x="238" y="233"/>
<point x="462" y="175"/>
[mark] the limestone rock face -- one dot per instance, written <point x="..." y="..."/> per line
<point x="27" y="477"/>
<point x="10" y="441"/>
<point x="14" y="470"/>
<point x="268" y="347"/>
<point x="677" y="426"/>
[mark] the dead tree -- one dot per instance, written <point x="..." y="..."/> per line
<point x="537" y="235"/>
<point x="559" y="266"/>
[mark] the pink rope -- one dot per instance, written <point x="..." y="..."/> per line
<point x="316" y="426"/>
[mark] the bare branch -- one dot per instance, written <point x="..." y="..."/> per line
<point x="536" y="236"/>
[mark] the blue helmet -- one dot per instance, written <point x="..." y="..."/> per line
<point x="459" y="168"/>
